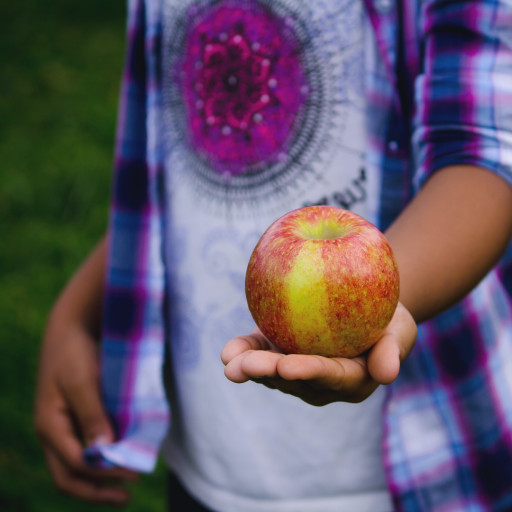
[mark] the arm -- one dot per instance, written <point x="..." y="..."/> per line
<point x="445" y="242"/>
<point x="68" y="409"/>
<point x="450" y="236"/>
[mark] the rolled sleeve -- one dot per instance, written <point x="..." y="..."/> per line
<point x="464" y="94"/>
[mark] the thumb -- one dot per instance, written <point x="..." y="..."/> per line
<point x="384" y="360"/>
<point x="394" y="346"/>
<point x="92" y="420"/>
<point x="80" y="386"/>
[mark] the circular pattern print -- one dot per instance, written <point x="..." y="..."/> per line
<point x="243" y="89"/>
<point x="243" y="95"/>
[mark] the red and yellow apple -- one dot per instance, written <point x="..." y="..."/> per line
<point x="322" y="280"/>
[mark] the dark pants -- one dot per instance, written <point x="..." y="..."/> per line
<point x="179" y="500"/>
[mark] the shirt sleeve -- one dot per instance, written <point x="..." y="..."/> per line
<point x="463" y="95"/>
<point x="133" y="341"/>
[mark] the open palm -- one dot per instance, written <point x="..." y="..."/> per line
<point x="320" y="380"/>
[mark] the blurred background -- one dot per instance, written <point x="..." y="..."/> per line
<point x="59" y="84"/>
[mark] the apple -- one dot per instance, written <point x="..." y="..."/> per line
<point x="322" y="280"/>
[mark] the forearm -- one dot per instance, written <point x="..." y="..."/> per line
<point x="80" y="302"/>
<point x="450" y="236"/>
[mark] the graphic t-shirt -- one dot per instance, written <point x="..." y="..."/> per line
<point x="263" y="112"/>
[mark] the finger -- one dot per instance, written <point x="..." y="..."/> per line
<point x="308" y="392"/>
<point x="384" y="360"/>
<point x="395" y="345"/>
<point x="236" y="346"/>
<point x="299" y="389"/>
<point x="259" y="364"/>
<point x="58" y="435"/>
<point x="302" y="390"/>
<point x="409" y="331"/>
<point x="81" y="487"/>
<point x="330" y="373"/>
<point x="79" y="386"/>
<point x="252" y="364"/>
<point x="338" y="379"/>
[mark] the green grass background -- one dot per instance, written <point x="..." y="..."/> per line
<point x="59" y="84"/>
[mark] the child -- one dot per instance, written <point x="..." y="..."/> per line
<point x="232" y="114"/>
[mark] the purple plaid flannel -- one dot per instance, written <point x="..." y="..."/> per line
<point x="442" y="96"/>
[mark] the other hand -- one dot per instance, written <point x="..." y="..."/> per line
<point x="69" y="415"/>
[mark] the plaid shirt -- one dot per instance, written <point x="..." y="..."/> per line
<point x="448" y="417"/>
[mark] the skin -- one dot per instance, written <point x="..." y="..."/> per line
<point x="68" y="410"/>
<point x="445" y="242"/>
<point x="448" y="238"/>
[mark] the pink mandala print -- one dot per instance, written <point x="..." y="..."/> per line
<point x="243" y="88"/>
<point x="245" y="94"/>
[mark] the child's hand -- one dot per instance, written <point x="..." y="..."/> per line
<point x="320" y="380"/>
<point x="69" y="415"/>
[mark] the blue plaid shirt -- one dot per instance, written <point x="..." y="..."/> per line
<point x="442" y="95"/>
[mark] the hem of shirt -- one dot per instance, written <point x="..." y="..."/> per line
<point x="224" y="501"/>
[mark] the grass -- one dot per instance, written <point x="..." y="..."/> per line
<point x="58" y="99"/>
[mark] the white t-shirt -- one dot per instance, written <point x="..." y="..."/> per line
<point x="263" y="113"/>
